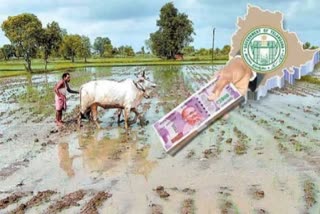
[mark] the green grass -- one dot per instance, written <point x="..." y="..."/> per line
<point x="310" y="79"/>
<point x="40" y="98"/>
<point x="16" y="67"/>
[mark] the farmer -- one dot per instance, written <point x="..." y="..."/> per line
<point x="60" y="90"/>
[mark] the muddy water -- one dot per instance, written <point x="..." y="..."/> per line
<point x="256" y="161"/>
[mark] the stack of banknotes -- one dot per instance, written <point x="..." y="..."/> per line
<point x="193" y="115"/>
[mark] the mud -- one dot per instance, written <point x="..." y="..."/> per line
<point x="92" y="206"/>
<point x="309" y="193"/>
<point x="41" y="197"/>
<point x="256" y="192"/>
<point x="156" y="209"/>
<point x="66" y="201"/>
<point x="264" y="151"/>
<point x="15" y="197"/>
<point x="161" y="192"/>
<point x="188" y="207"/>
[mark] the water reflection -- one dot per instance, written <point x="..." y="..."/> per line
<point x="65" y="161"/>
<point x="114" y="150"/>
<point x="166" y="76"/>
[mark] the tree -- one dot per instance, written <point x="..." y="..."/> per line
<point x="70" y="46"/>
<point x="115" y="51"/>
<point x="225" y="50"/>
<point x="57" y="53"/>
<point x="51" y="39"/>
<point x="129" y="51"/>
<point x="148" y="44"/>
<point x="8" y="51"/>
<point x="217" y="51"/>
<point x="84" y="48"/>
<point x="108" y="50"/>
<point x="203" y="52"/>
<point x="174" y="33"/>
<point x="306" y="45"/>
<point x="1" y="54"/>
<point x="24" y="32"/>
<point x="121" y="51"/>
<point x="188" y="50"/>
<point x="126" y="50"/>
<point x="99" y="44"/>
<point x="142" y="50"/>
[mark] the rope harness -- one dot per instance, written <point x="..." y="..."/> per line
<point x="141" y="88"/>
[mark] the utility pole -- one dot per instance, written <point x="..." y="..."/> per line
<point x="213" y="31"/>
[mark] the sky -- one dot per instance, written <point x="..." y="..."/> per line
<point x="130" y="22"/>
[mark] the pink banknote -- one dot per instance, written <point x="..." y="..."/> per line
<point x="194" y="114"/>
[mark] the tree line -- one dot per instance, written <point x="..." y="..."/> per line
<point x="30" y="40"/>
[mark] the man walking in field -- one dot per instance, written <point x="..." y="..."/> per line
<point x="60" y="90"/>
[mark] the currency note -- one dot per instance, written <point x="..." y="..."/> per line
<point x="194" y="114"/>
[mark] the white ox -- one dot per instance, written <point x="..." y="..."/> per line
<point x="126" y="95"/>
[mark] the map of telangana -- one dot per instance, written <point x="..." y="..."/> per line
<point x="270" y="50"/>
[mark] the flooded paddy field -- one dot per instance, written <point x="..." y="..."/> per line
<point x="265" y="158"/>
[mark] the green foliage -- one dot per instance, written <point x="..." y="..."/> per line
<point x="1" y="54"/>
<point x="8" y="51"/>
<point x="84" y="49"/>
<point x="174" y="33"/>
<point x="24" y="33"/>
<point x="203" y="52"/>
<point x="41" y="97"/>
<point x="70" y="45"/>
<point x="307" y="45"/>
<point x="51" y="39"/>
<point x="310" y="79"/>
<point x="115" y="51"/>
<point x="225" y="50"/>
<point x="188" y="50"/>
<point x="126" y="50"/>
<point x="218" y="54"/>
<point x="108" y="50"/>
<point x="99" y="44"/>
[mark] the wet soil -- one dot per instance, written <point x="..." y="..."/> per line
<point x="265" y="150"/>
<point x="66" y="201"/>
<point x="92" y="206"/>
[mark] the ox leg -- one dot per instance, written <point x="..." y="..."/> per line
<point x="119" y="115"/>
<point x="79" y="119"/>
<point x="126" y="117"/>
<point x="140" y="117"/>
<point x="85" y="115"/>
<point x="94" y="111"/>
<point x="137" y="115"/>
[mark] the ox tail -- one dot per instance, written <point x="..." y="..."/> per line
<point x="80" y="115"/>
<point x="80" y="93"/>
